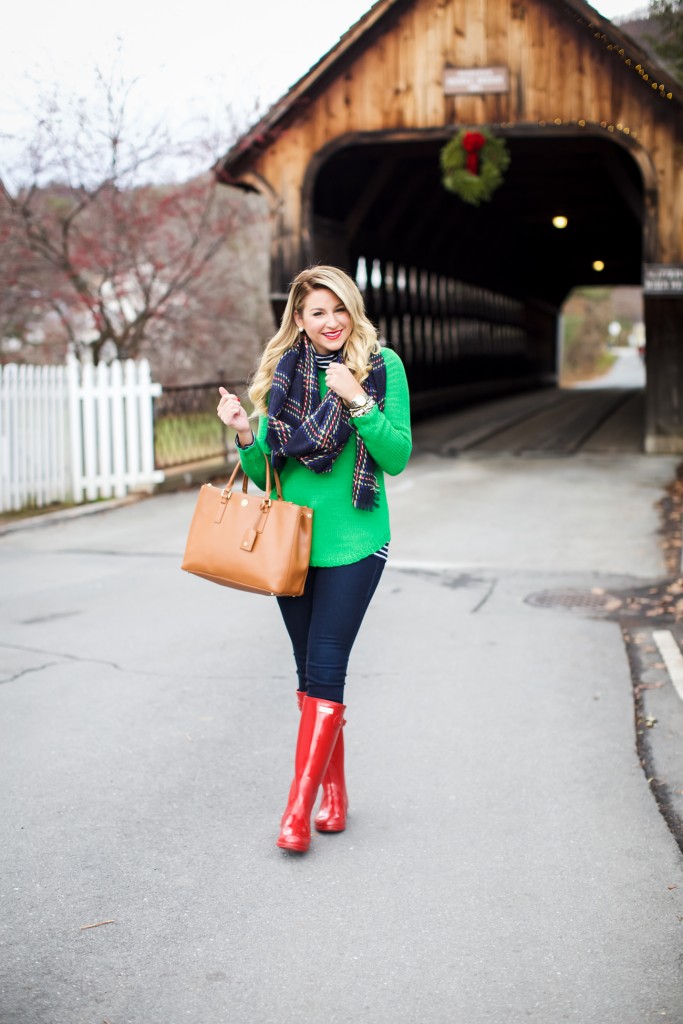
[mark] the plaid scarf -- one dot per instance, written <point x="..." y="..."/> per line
<point x="314" y="431"/>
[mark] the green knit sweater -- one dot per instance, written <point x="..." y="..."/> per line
<point x="342" y="533"/>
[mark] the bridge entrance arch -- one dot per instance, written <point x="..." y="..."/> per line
<point x="349" y="160"/>
<point x="473" y="294"/>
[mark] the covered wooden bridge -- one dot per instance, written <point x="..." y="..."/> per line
<point x="470" y="295"/>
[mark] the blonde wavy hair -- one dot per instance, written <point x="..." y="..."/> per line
<point x="356" y="352"/>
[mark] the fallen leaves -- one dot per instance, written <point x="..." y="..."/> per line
<point x="663" y="602"/>
<point x="671" y="510"/>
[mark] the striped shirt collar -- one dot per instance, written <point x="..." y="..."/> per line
<point x="323" y="362"/>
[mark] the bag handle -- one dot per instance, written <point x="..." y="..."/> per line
<point x="227" y="490"/>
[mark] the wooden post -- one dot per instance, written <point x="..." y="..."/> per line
<point x="664" y="389"/>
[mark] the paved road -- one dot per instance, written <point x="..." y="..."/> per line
<point x="627" y="371"/>
<point x="505" y="860"/>
<point x="603" y="416"/>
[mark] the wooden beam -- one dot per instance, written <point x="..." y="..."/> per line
<point x="375" y="185"/>
<point x="408" y="188"/>
<point x="631" y="195"/>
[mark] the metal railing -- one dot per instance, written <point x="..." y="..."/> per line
<point x="186" y="427"/>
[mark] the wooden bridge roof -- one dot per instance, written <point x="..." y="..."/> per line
<point x="364" y="32"/>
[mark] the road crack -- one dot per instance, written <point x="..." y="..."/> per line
<point x="27" y="671"/>
<point x="57" y="654"/>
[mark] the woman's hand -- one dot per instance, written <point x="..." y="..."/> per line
<point x="339" y="379"/>
<point x="233" y="415"/>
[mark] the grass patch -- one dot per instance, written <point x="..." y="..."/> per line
<point x="602" y="364"/>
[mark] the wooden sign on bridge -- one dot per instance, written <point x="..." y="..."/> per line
<point x="475" y="81"/>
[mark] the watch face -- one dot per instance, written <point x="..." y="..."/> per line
<point x="358" y="402"/>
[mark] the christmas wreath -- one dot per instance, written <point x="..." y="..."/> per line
<point x="472" y="164"/>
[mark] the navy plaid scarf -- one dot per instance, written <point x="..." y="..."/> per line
<point x="314" y="431"/>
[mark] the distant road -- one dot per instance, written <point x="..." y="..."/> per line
<point x="628" y="371"/>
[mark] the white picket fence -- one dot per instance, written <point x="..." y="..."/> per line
<point x="75" y="433"/>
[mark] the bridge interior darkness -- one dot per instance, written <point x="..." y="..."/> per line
<point x="468" y="293"/>
<point x="391" y="201"/>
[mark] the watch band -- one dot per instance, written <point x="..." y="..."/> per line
<point x="369" y="404"/>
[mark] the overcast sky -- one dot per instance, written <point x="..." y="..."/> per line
<point x="193" y="59"/>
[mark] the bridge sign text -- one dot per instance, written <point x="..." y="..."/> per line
<point x="663" y="279"/>
<point x="475" y="81"/>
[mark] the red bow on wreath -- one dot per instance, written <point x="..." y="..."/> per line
<point x="472" y="142"/>
<point x="473" y="163"/>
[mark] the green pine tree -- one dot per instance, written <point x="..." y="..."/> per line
<point x="668" y="41"/>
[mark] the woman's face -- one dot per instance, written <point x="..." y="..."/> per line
<point x="325" y="320"/>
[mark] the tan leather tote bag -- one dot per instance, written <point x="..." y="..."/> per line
<point x="250" y="542"/>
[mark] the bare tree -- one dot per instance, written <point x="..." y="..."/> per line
<point x="587" y="314"/>
<point x="95" y="255"/>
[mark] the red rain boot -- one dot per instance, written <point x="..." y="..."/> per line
<point x="318" y="731"/>
<point x="335" y="802"/>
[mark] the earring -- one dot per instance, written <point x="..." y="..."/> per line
<point x="301" y="330"/>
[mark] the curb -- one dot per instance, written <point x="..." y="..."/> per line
<point x="61" y="515"/>
<point x="179" y="478"/>
<point x="658" y="720"/>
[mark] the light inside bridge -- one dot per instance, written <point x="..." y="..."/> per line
<point x="560" y="221"/>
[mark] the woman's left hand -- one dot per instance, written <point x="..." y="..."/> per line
<point x="339" y="379"/>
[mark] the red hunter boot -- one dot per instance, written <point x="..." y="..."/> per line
<point x="331" y="816"/>
<point x="318" y="731"/>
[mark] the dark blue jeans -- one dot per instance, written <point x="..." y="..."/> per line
<point x="324" y="622"/>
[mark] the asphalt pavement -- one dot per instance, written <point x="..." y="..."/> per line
<point x="505" y="861"/>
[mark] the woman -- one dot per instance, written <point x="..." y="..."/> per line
<point x="334" y="417"/>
